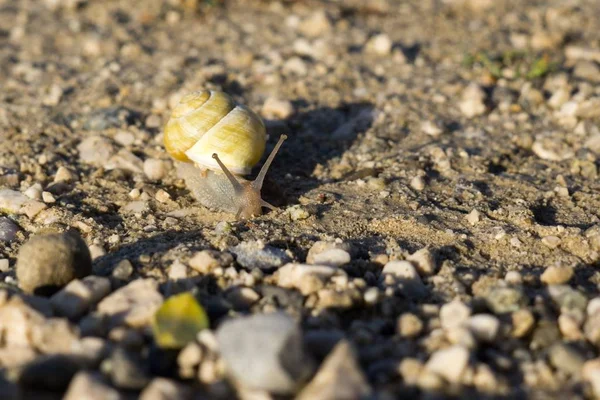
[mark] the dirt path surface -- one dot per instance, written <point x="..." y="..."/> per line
<point x="438" y="195"/>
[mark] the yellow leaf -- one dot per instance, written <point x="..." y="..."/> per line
<point x="178" y="320"/>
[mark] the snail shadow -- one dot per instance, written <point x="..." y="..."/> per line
<point x="315" y="138"/>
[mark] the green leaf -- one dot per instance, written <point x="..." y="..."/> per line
<point x="178" y="320"/>
<point x="540" y="67"/>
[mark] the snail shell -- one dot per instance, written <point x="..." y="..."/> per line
<point x="217" y="140"/>
<point x="208" y="122"/>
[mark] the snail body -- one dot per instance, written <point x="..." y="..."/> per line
<point x="216" y="141"/>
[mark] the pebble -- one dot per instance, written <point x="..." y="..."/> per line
<point x="16" y="357"/>
<point x="55" y="335"/>
<point x="133" y="305"/>
<point x="48" y="198"/>
<point x="557" y="275"/>
<point x="473" y="217"/>
<point x="276" y="108"/>
<point x="8" y="229"/>
<point x="380" y="44"/>
<point x="551" y="149"/>
<point x="90" y="386"/>
<point x="79" y="296"/>
<point x="124" y="138"/>
<point x="523" y="322"/>
<point x="11" y="201"/>
<point x="593" y="307"/>
<point x="135" y="207"/>
<point x="206" y="261"/>
<point x="339" y="377"/>
<point x="34" y="192"/>
<point x="569" y="327"/>
<point x="63" y="174"/>
<point x="51" y="372"/>
<point x="255" y="254"/>
<point x="95" y="150"/>
<point x="502" y="300"/>
<point x="566" y="298"/>
<point x="295" y="66"/>
<point x="591" y="329"/>
<point x="455" y="356"/>
<point x="297" y="213"/>
<point x="591" y="373"/>
<point x="4" y="265"/>
<point x="454" y="314"/>
<point x="424" y="260"/>
<point x="485" y="327"/>
<point x="242" y="298"/>
<point x="331" y="257"/>
<point x="127" y="370"/>
<point x="587" y="70"/>
<point x="405" y="275"/>
<point x="472" y="101"/>
<point x="321" y="246"/>
<point x="154" y="169"/>
<point x="177" y="270"/>
<point x="190" y="357"/>
<point x="307" y="278"/>
<point x="565" y="358"/>
<point x="431" y="128"/>
<point x="417" y="183"/>
<point x="315" y="25"/>
<point x="17" y="322"/>
<point x="52" y="98"/>
<point x="153" y="121"/>
<point x="162" y="196"/>
<point x="265" y="352"/>
<point x="123" y="270"/>
<point x="551" y="241"/>
<point x="165" y="389"/>
<point x="409" y="325"/>
<point x="52" y="260"/>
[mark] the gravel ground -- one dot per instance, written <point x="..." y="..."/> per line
<point x="438" y="229"/>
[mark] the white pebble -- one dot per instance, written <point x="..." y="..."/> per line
<point x="379" y="44"/>
<point x="48" y="197"/>
<point x="154" y="169"/>
<point x="484" y="326"/>
<point x="276" y="108"/>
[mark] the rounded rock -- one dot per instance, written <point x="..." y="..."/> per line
<point x="50" y="261"/>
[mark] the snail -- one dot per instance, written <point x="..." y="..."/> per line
<point x="216" y="141"/>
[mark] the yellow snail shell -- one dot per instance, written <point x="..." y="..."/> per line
<point x="216" y="141"/>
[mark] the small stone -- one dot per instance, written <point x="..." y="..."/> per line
<point x="153" y="121"/>
<point x="133" y="305"/>
<point x="124" y="160"/>
<point x="295" y="66"/>
<point x="551" y="241"/>
<point x="8" y="229"/>
<point x="32" y="208"/>
<point x="124" y="138"/>
<point x="331" y="257"/>
<point x="431" y="128"/>
<point x="569" y="327"/>
<point x="593" y="307"/>
<point x="135" y="207"/>
<point x="51" y="372"/>
<point x="4" y="265"/>
<point x="52" y="260"/>
<point x="454" y="314"/>
<point x="90" y="386"/>
<point x="455" y="356"/>
<point x="52" y="98"/>
<point x="424" y="261"/>
<point x="339" y="377"/>
<point x="502" y="300"/>
<point x="316" y="25"/>
<point x="11" y="201"/>
<point x="567" y="298"/>
<point x="255" y="254"/>
<point x="17" y="322"/>
<point x="380" y="44"/>
<point x="95" y="150"/>
<point x="566" y="359"/>
<point x="472" y="101"/>
<point x="410" y="369"/>
<point x="48" y="197"/>
<point x="557" y="275"/>
<point x="123" y="270"/>
<point x="331" y="298"/>
<point x="162" y="196"/>
<point x="409" y="325"/>
<point x="16" y="357"/>
<point x="406" y="276"/>
<point x="307" y="278"/>
<point x="79" y="296"/>
<point x="591" y="373"/>
<point x="128" y="370"/>
<point x="276" y="108"/>
<point x="154" y="169"/>
<point x="34" y="192"/>
<point x="322" y="246"/>
<point x="417" y="183"/>
<point x="178" y="270"/>
<point x="551" y="149"/>
<point x="371" y="296"/>
<point x="523" y="322"/>
<point x="592" y="329"/>
<point x="165" y="389"/>
<point x="63" y="174"/>
<point x="55" y="335"/>
<point x="473" y="217"/>
<point x="206" y="261"/>
<point x="297" y="213"/>
<point x="587" y="70"/>
<point x="190" y="356"/>
<point x="484" y="327"/>
<point x="272" y="358"/>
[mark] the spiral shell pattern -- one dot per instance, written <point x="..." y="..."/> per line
<point x="208" y="122"/>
